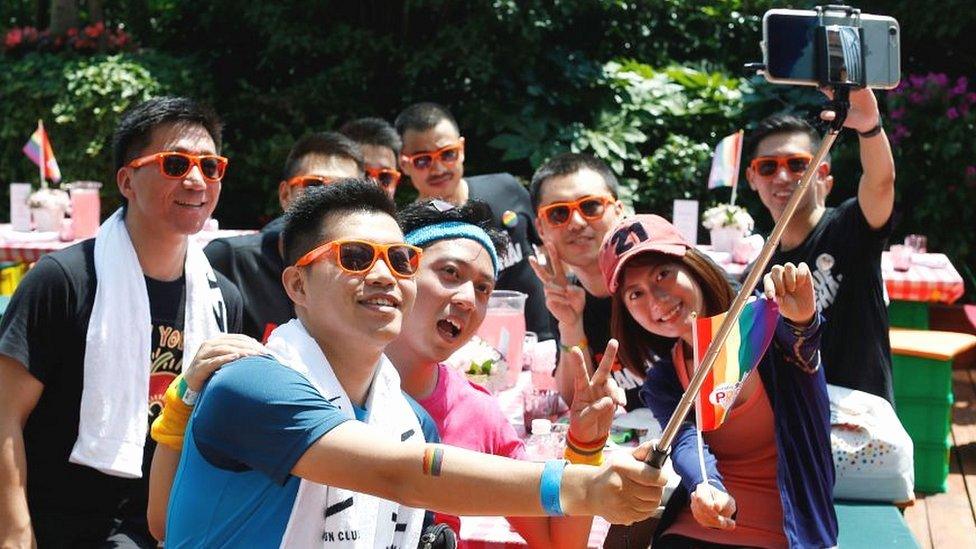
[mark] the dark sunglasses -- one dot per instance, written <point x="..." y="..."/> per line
<point x="591" y="208"/>
<point x="386" y="177"/>
<point x="176" y="165"/>
<point x="359" y="256"/>
<point x="769" y="165"/>
<point x="446" y="155"/>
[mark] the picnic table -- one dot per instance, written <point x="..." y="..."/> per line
<point x="29" y="247"/>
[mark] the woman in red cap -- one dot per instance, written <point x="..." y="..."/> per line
<point x="769" y="469"/>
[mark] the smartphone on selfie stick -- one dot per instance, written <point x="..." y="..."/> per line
<point x="832" y="46"/>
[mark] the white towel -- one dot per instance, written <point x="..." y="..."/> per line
<point x="325" y="516"/>
<point x="115" y="394"/>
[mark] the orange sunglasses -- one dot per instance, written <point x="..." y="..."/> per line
<point x="176" y="165"/>
<point x="590" y="207"/>
<point x="386" y="177"/>
<point x="359" y="256"/>
<point x="305" y="181"/>
<point x="769" y="165"/>
<point x="446" y="155"/>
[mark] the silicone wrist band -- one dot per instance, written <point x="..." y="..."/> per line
<point x="549" y="484"/>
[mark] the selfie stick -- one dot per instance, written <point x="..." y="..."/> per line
<point x="660" y="453"/>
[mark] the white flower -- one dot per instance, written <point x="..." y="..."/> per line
<point x="49" y="199"/>
<point x="726" y="215"/>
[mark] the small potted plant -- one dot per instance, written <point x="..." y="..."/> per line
<point x="48" y="207"/>
<point x="727" y="225"/>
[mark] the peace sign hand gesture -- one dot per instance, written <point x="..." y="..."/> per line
<point x="564" y="300"/>
<point x="596" y="398"/>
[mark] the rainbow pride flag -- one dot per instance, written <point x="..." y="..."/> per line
<point x="745" y="346"/>
<point x="38" y="149"/>
<point x="725" y="162"/>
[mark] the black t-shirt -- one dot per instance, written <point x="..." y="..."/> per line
<point x="844" y="255"/>
<point x="503" y="194"/>
<point x="596" y="327"/>
<point x="253" y="263"/>
<point x="44" y="328"/>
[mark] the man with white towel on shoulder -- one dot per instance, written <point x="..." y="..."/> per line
<point x="96" y="332"/>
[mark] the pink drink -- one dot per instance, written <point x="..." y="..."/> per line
<point x="504" y="329"/>
<point x="86" y="208"/>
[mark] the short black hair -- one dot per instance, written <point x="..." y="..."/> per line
<point x="421" y="117"/>
<point x="781" y="123"/>
<point x="567" y="164"/>
<point x="322" y="144"/>
<point x="431" y="212"/>
<point x="373" y="131"/>
<point x="307" y="216"/>
<point x="134" y="131"/>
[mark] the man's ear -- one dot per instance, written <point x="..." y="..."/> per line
<point x="540" y="227"/>
<point x="294" y="282"/>
<point x="284" y="195"/>
<point x="123" y="178"/>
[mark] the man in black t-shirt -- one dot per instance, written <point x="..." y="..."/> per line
<point x="380" y="145"/>
<point x="253" y="262"/>
<point x="169" y="176"/>
<point x="575" y="199"/>
<point x="433" y="157"/>
<point x="842" y="245"/>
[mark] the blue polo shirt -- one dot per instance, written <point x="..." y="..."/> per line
<point x="254" y="420"/>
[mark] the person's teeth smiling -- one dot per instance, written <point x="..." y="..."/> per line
<point x="673" y="312"/>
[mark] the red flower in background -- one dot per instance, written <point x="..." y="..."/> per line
<point x="13" y="38"/>
<point x="21" y="40"/>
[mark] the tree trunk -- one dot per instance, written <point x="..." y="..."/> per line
<point x="64" y="15"/>
<point x="97" y="14"/>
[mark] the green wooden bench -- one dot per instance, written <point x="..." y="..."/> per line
<point x="872" y="526"/>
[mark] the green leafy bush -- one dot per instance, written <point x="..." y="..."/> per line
<point x="80" y="100"/>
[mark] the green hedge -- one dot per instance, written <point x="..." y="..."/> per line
<point x="79" y="99"/>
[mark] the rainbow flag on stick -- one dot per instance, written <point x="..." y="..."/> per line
<point x="745" y="346"/>
<point x="38" y="149"/>
<point x="725" y="163"/>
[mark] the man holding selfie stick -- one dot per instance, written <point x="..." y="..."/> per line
<point x="842" y="245"/>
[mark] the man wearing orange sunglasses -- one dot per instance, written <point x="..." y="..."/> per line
<point x="254" y="262"/>
<point x="317" y="442"/>
<point x="843" y="244"/>
<point x="380" y="145"/>
<point x="96" y="331"/>
<point x="433" y="158"/>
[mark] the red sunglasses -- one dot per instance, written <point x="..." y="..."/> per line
<point x="449" y="154"/>
<point x="306" y="181"/>
<point x="176" y="165"/>
<point x="359" y="256"/>
<point x="769" y="165"/>
<point x="386" y="177"/>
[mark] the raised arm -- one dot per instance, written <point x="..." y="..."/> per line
<point x="19" y="393"/>
<point x="451" y="480"/>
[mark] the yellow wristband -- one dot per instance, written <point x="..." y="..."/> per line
<point x="569" y="348"/>
<point x="170" y="426"/>
<point x="579" y="459"/>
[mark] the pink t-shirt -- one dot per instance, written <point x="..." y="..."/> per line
<point x="468" y="416"/>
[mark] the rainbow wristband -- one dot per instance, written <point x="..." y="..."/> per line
<point x="549" y="484"/>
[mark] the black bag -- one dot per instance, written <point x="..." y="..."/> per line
<point x="438" y="536"/>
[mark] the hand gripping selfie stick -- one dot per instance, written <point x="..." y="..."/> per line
<point x="839" y="105"/>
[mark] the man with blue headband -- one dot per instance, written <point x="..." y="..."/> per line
<point x="456" y="276"/>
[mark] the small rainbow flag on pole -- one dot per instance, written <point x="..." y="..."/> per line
<point x="38" y="149"/>
<point x="745" y="346"/>
<point x="725" y="163"/>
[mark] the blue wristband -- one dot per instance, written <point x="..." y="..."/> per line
<point x="552" y="478"/>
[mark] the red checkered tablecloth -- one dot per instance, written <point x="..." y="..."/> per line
<point x="930" y="278"/>
<point x="495" y="532"/>
<point x="29" y="247"/>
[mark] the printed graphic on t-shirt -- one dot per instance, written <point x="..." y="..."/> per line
<point x="166" y="361"/>
<point x="825" y="282"/>
<point x="513" y="255"/>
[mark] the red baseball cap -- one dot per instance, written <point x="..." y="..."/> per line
<point x="636" y="235"/>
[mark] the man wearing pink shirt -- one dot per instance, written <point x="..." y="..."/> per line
<point x="456" y="276"/>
